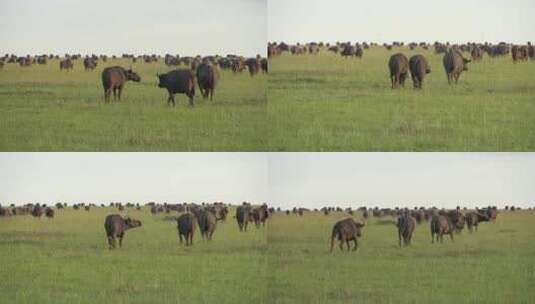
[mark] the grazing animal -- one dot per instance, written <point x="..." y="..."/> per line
<point x="419" y="68"/>
<point x="116" y="226"/>
<point x="473" y="219"/>
<point x="242" y="217"/>
<point x="345" y="231"/>
<point x="406" y="225"/>
<point x="66" y="64"/>
<point x="178" y="81"/>
<point x="440" y="225"/>
<point x="37" y="211"/>
<point x="253" y="65"/>
<point x="454" y="64"/>
<point x="89" y="64"/>
<point x="49" y="212"/>
<point x="186" y="224"/>
<point x="114" y="78"/>
<point x="399" y="68"/>
<point x="264" y="65"/>
<point x="207" y="78"/>
<point x="207" y="223"/>
<point x="260" y="215"/>
<point x="476" y="53"/>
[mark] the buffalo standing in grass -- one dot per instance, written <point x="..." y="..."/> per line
<point x="207" y="223"/>
<point x="242" y="217"/>
<point x="399" y="68"/>
<point x="186" y="224"/>
<point x="207" y="78"/>
<point x="473" y="219"/>
<point x="419" y="68"/>
<point x="454" y="64"/>
<point x="406" y="225"/>
<point x="49" y="212"/>
<point x="66" y="64"/>
<point x="440" y="225"/>
<point x="260" y="215"/>
<point x="116" y="226"/>
<point x="345" y="231"/>
<point x="178" y="81"/>
<point x="114" y="78"/>
<point x="90" y="64"/>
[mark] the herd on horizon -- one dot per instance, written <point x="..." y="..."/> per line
<point x="189" y="216"/>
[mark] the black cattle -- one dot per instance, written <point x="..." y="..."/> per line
<point x="399" y="68"/>
<point x="114" y="78"/>
<point x="66" y="64"/>
<point x="178" y="82"/>
<point x="242" y="216"/>
<point x="49" y="212"/>
<point x="419" y="68"/>
<point x="406" y="225"/>
<point x="116" y="226"/>
<point x="454" y="64"/>
<point x="207" y="78"/>
<point x="186" y="224"/>
<point x="90" y="63"/>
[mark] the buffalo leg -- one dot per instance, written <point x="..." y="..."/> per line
<point x="180" y="237"/>
<point x="191" y="239"/>
<point x="190" y="99"/>
<point x="114" y="93"/>
<point x="120" y="89"/>
<point x="121" y="240"/>
<point x="356" y="244"/>
<point x="111" y="242"/>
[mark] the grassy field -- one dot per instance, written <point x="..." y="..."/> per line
<point x="327" y="103"/>
<point x="43" y="109"/>
<point x="66" y="260"/>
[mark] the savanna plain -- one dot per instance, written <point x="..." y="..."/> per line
<point x="324" y="102"/>
<point x="66" y="260"/>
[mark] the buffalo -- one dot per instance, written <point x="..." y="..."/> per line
<point x="207" y="223"/>
<point x="66" y="64"/>
<point x="207" y="78"/>
<point x="116" y="226"/>
<point x="49" y="212"/>
<point x="186" y="224"/>
<point x="419" y="68"/>
<point x="440" y="225"/>
<point x="406" y="225"/>
<point x="345" y="231"/>
<point x="260" y="215"/>
<point x="178" y="81"/>
<point x="454" y="64"/>
<point x="242" y="216"/>
<point x="399" y="68"/>
<point x="114" y="78"/>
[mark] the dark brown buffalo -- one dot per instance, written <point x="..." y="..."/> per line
<point x="419" y="68"/>
<point x="399" y="68"/>
<point x="474" y="218"/>
<point x="114" y="78"/>
<point x="454" y="64"/>
<point x="66" y="64"/>
<point x="253" y="65"/>
<point x="49" y="212"/>
<point x="178" y="82"/>
<point x="260" y="215"/>
<point x="476" y="53"/>
<point x="207" y="78"/>
<point x="116" y="226"/>
<point x="264" y="65"/>
<point x="440" y="225"/>
<point x="519" y="53"/>
<point x="406" y="225"/>
<point x="242" y="216"/>
<point x="186" y="224"/>
<point x="37" y="211"/>
<point x="457" y="219"/>
<point x="90" y="64"/>
<point x="207" y="223"/>
<point x="345" y="231"/>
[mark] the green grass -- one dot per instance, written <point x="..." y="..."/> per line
<point x="327" y="103"/>
<point x="66" y="260"/>
<point x="43" y="109"/>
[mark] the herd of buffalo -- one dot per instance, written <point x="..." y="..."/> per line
<point x="205" y="217"/>
<point x="399" y="65"/>
<point x="201" y="71"/>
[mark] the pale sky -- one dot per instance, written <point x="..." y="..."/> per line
<point x="408" y="20"/>
<point x="310" y="180"/>
<point x="204" y="27"/>
<point x="402" y="179"/>
<point x="135" y="177"/>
